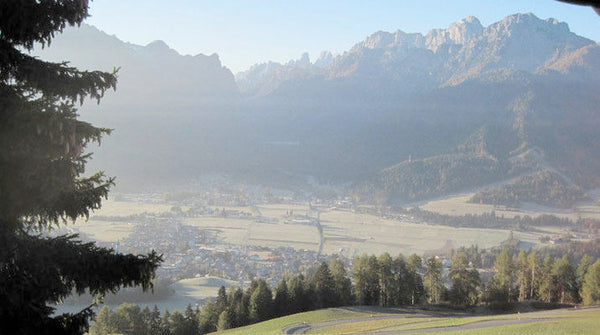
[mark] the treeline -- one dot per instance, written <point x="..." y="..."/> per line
<point x="532" y="276"/>
<point x="328" y="286"/>
<point x="380" y="281"/>
<point x="544" y="188"/>
<point x="491" y="220"/>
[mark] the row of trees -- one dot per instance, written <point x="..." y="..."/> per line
<point x="491" y="220"/>
<point x="328" y="286"/>
<point x="381" y="281"/>
<point x="529" y="276"/>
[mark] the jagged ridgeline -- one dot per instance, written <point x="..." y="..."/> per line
<point x="401" y="116"/>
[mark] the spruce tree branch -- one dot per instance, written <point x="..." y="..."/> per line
<point x="54" y="80"/>
<point x="25" y="22"/>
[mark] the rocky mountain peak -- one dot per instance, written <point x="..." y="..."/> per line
<point x="529" y="23"/>
<point x="458" y="32"/>
<point x="525" y="42"/>
<point x="465" y="29"/>
<point x="387" y="40"/>
<point x="378" y="40"/>
<point x="325" y="59"/>
<point x="303" y="61"/>
<point x="257" y="71"/>
<point x="158" y="45"/>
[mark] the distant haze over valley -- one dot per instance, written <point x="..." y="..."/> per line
<point x="399" y="117"/>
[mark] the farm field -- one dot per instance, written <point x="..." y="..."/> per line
<point x="353" y="233"/>
<point x="203" y="287"/>
<point x="112" y="207"/>
<point x="105" y="231"/>
<point x="344" y="231"/>
<point x="459" y="205"/>
<point x="231" y="230"/>
<point x="111" y="230"/>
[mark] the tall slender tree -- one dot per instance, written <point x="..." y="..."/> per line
<point x="281" y="301"/>
<point x="582" y="269"/>
<point x="104" y="324"/>
<point x="590" y="291"/>
<point x="401" y="291"/>
<point x="534" y="263"/>
<point x="433" y="280"/>
<point x="366" y="280"/>
<point x="465" y="281"/>
<point x="523" y="272"/>
<point x="225" y="320"/>
<point x="41" y="183"/>
<point x="387" y="289"/>
<point x="261" y="302"/>
<point x="564" y="276"/>
<point x="239" y="310"/>
<point x="299" y="298"/>
<point x="546" y="287"/>
<point x="343" y="285"/>
<point x="504" y="279"/>
<point x="414" y="263"/>
<point x="324" y="288"/>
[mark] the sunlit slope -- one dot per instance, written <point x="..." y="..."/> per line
<point x="346" y="321"/>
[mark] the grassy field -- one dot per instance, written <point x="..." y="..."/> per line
<point x="366" y="326"/>
<point x="583" y="326"/>
<point x="112" y="231"/>
<point x="550" y="322"/>
<point x="187" y="292"/>
<point x="230" y="230"/>
<point x="362" y="233"/>
<point x="279" y="210"/>
<point x="203" y="287"/>
<point x="544" y="322"/>
<point x="458" y="205"/>
<point x="105" y="231"/>
<point x="275" y="326"/>
<point x="344" y="231"/>
<point x="111" y="207"/>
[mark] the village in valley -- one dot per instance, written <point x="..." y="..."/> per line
<point x="231" y="235"/>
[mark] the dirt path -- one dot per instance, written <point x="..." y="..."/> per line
<point x="474" y="325"/>
<point x="305" y="327"/>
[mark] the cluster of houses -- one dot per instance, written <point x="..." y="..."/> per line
<point x="190" y="251"/>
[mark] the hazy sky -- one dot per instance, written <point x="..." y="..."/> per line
<point x="244" y="33"/>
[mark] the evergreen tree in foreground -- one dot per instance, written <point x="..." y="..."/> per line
<point x="41" y="163"/>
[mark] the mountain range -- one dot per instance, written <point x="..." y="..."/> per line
<point x="400" y="116"/>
